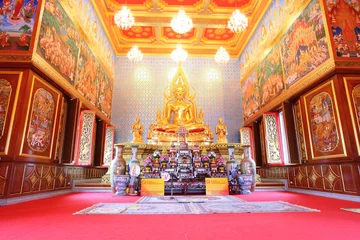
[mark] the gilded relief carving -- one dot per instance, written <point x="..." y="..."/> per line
<point x="41" y="121"/>
<point x="109" y="146"/>
<point x="245" y="134"/>
<point x="300" y="131"/>
<point x="356" y="100"/>
<point x="273" y="150"/>
<point x="86" y="139"/>
<point x="5" y="95"/>
<point x="323" y="125"/>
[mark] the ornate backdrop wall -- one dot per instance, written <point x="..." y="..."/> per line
<point x="138" y="92"/>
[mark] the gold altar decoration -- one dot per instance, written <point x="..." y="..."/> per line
<point x="179" y="109"/>
<point x="137" y="130"/>
<point x="221" y="131"/>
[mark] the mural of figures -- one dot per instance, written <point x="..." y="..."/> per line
<point x="344" y="19"/>
<point x="323" y="125"/>
<point x="250" y="96"/>
<point x="86" y="81"/>
<point x="271" y="25"/>
<point x="84" y="15"/>
<point x="41" y="121"/>
<point x="304" y="46"/>
<point x="5" y="95"/>
<point x="270" y="76"/>
<point x="105" y="94"/>
<point x="17" y="18"/>
<point x="356" y="100"/>
<point x="59" y="41"/>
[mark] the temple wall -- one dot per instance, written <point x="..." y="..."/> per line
<point x="138" y="92"/>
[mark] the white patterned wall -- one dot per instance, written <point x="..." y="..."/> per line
<point x="138" y="92"/>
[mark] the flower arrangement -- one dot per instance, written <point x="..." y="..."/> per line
<point x="220" y="161"/>
<point x="164" y="158"/>
<point x="156" y="154"/>
<point x="212" y="155"/>
<point x="148" y="161"/>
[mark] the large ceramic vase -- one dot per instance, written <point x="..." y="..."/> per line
<point x="231" y="165"/>
<point x="134" y="170"/>
<point x="248" y="166"/>
<point x="117" y="166"/>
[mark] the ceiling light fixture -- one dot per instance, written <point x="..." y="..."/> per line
<point x="179" y="54"/>
<point x="181" y="23"/>
<point x="124" y="19"/>
<point x="238" y="22"/>
<point x="135" y="54"/>
<point x="222" y="56"/>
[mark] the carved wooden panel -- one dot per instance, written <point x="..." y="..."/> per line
<point x="272" y="139"/>
<point x="4" y="173"/>
<point x="85" y="138"/>
<point x="300" y="131"/>
<point x="246" y="138"/>
<point x="109" y="145"/>
<point x="41" y="121"/>
<point x="324" y="124"/>
<point x="315" y="177"/>
<point x="301" y="177"/>
<point x="10" y="83"/>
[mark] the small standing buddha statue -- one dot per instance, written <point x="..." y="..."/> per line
<point x="137" y="130"/>
<point x="221" y="132"/>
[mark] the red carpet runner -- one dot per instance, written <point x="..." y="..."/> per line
<point x="53" y="219"/>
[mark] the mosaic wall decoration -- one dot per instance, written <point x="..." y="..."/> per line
<point x="272" y="139"/>
<point x="138" y="92"/>
<point x="270" y="26"/>
<point x="5" y="95"/>
<point x="109" y="145"/>
<point x="300" y="131"/>
<point x="17" y="20"/>
<point x="326" y="139"/>
<point x="78" y="50"/>
<point x="344" y="20"/>
<point x="84" y="150"/>
<point x="41" y="121"/>
<point x="304" y="46"/>
<point x="270" y="77"/>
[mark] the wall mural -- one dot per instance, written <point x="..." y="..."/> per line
<point x="344" y="19"/>
<point x="304" y="46"/>
<point x="289" y="61"/>
<point x="64" y="48"/>
<point x="270" y="76"/>
<point x="273" y="22"/>
<point x="17" y="22"/>
<point x="41" y="121"/>
<point x="5" y="95"/>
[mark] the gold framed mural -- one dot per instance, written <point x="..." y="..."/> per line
<point x="324" y="125"/>
<point x="352" y="86"/>
<point x="41" y="120"/>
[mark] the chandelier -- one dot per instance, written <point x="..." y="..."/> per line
<point x="124" y="19"/>
<point x="222" y="56"/>
<point x="238" y="22"/>
<point x="135" y="54"/>
<point x="181" y="23"/>
<point x="179" y="54"/>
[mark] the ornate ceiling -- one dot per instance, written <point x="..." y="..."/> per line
<point x="154" y="36"/>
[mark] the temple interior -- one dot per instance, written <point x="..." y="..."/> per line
<point x="276" y="84"/>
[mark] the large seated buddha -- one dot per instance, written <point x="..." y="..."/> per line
<point x="179" y="109"/>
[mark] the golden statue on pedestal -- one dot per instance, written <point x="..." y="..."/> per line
<point x="221" y="131"/>
<point x="137" y="130"/>
<point x="179" y="110"/>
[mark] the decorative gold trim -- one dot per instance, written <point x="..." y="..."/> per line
<point x="353" y="121"/>
<point x="35" y="77"/>
<point x="324" y="69"/>
<point x="337" y="121"/>
<point x="47" y="69"/>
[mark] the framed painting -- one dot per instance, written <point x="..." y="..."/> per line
<point x="324" y="125"/>
<point x="352" y="86"/>
<point x="272" y="134"/>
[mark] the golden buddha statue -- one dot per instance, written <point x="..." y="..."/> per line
<point x="137" y="130"/>
<point x="179" y="110"/>
<point x="221" y="131"/>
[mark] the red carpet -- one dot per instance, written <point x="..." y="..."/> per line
<point x="52" y="219"/>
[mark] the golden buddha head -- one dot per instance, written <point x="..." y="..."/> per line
<point x="179" y="93"/>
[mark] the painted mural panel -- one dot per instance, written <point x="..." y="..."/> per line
<point x="304" y="46"/>
<point x="270" y="76"/>
<point x="59" y="41"/>
<point x="271" y="25"/>
<point x="84" y="15"/>
<point x="5" y="95"/>
<point x="41" y="121"/>
<point x="17" y="20"/>
<point x="250" y="96"/>
<point x="344" y="20"/>
<point x="105" y="94"/>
